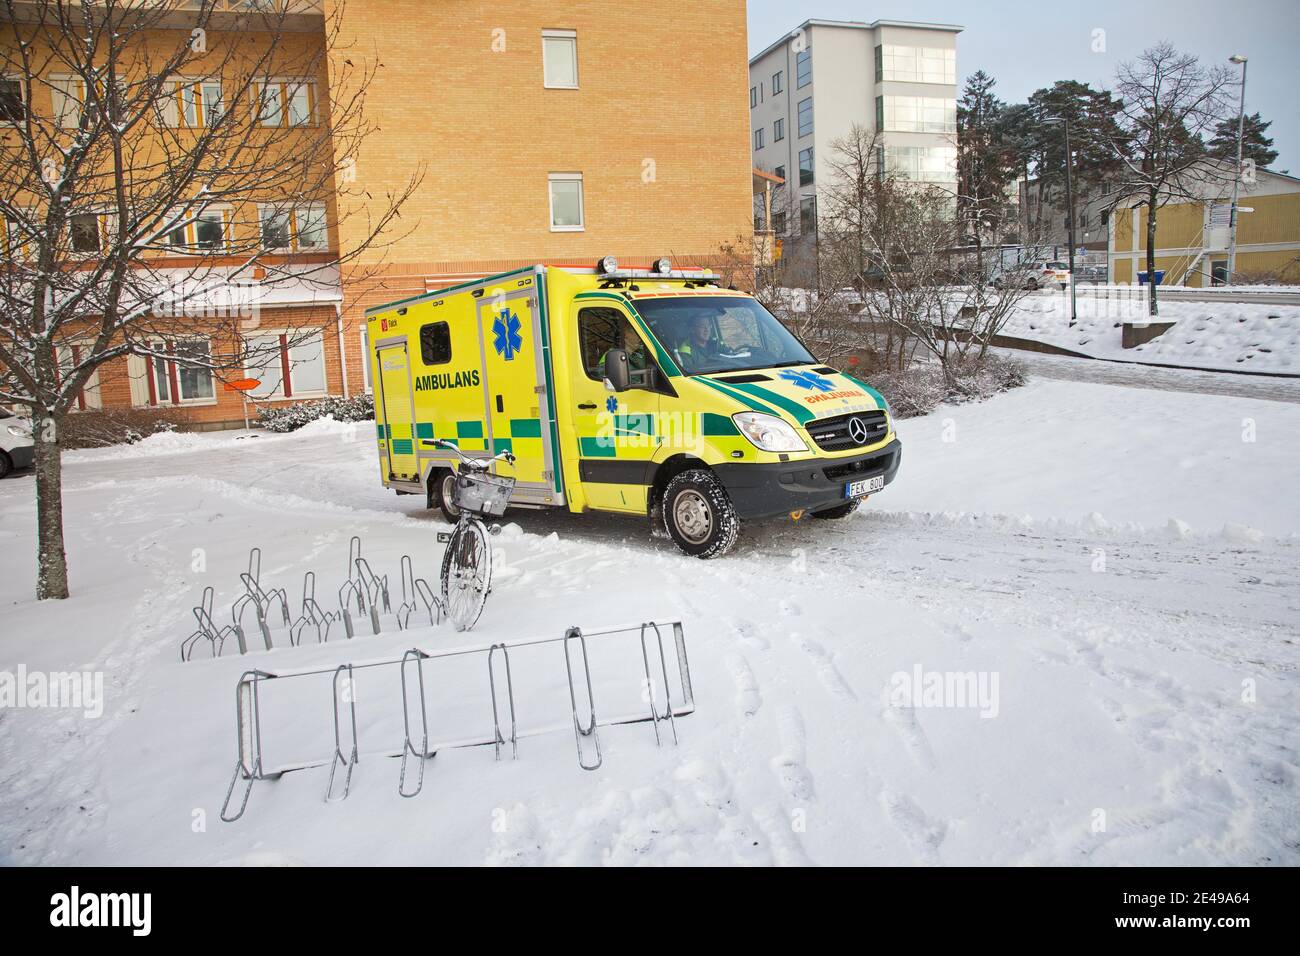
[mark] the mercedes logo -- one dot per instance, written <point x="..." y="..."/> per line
<point x="858" y="431"/>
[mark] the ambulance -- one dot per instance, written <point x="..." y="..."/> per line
<point x="654" y="392"/>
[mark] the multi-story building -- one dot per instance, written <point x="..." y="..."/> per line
<point x="1193" y="237"/>
<point x="811" y="87"/>
<point x="539" y="133"/>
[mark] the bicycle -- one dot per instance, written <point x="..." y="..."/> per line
<point x="467" y="562"/>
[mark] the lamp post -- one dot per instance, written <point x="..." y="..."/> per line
<point x="1069" y="203"/>
<point x="1236" y="176"/>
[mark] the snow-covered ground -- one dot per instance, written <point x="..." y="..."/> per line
<point x="1115" y="567"/>
<point x="1234" y="336"/>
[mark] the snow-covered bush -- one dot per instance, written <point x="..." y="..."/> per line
<point x="287" y="418"/>
<point x="99" y="428"/>
<point x="923" y="386"/>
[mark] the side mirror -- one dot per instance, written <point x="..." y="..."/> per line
<point x="617" y="376"/>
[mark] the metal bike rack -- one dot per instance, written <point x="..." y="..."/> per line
<point x="581" y="732"/>
<point x="350" y="761"/>
<point x="312" y="614"/>
<point x="208" y="629"/>
<point x="655" y="716"/>
<point x="261" y="600"/>
<point x="497" y="739"/>
<point x="346" y="752"/>
<point x="414" y="589"/>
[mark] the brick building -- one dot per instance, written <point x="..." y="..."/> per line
<point x="542" y="132"/>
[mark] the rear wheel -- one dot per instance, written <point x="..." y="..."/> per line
<point x="699" y="515"/>
<point x="466" y="574"/>
<point x="839" y="511"/>
<point x="441" y="485"/>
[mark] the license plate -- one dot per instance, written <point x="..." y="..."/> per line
<point x="860" y="489"/>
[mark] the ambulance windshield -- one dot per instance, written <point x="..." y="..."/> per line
<point x="706" y="334"/>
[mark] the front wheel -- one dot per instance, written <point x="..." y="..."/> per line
<point x="699" y="515"/>
<point x="6" y="465"/>
<point x="466" y="574"/>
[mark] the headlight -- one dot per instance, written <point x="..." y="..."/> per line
<point x="17" y="432"/>
<point x="768" y="433"/>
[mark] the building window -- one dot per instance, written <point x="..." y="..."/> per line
<point x="916" y="114"/>
<point x="435" y="343"/>
<point x="753" y="97"/>
<point x="780" y="171"/>
<point x="805" y="117"/>
<point x="287" y="364"/>
<point x="13" y="104"/>
<point x="914" y="64"/>
<point x="922" y="164"/>
<point x="560" y="59"/>
<point x="778" y="131"/>
<point x="365" y="358"/>
<point x="297" y="228"/>
<point x="758" y="138"/>
<point x="84" y="233"/>
<point x="803" y="69"/>
<point x="805" y="166"/>
<point x="778" y="82"/>
<point x="807" y="216"/>
<point x="199" y="104"/>
<point x="173" y="381"/>
<point x="286" y="102"/>
<point x="566" y="202"/>
<point x="207" y="232"/>
<point x="778" y="223"/>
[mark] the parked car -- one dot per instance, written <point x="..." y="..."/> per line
<point x="1034" y="275"/>
<point x="16" y="448"/>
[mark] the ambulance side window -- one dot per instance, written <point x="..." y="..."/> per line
<point x="435" y="343"/>
<point x="602" y="329"/>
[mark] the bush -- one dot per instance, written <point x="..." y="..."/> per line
<point x="287" y="418"/>
<point x="922" y="387"/>
<point x="98" y="428"/>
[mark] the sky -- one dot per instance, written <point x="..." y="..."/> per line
<point x="1028" y="46"/>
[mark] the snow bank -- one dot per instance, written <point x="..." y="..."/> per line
<point x="1231" y="335"/>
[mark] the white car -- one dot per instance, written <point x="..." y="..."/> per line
<point x="16" y="448"/>
<point x="1035" y="275"/>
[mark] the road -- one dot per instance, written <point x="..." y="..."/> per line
<point x="1065" y="368"/>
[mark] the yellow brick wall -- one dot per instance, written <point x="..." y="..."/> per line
<point x="664" y="85"/>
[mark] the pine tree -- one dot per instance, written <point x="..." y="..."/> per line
<point x="1254" y="143"/>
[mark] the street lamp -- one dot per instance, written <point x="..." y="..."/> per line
<point x="1236" y="178"/>
<point x="1069" y="202"/>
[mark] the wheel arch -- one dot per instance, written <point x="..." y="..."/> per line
<point x="669" y="469"/>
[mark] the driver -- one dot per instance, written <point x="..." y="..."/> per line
<point x="700" y="345"/>
<point x="633" y="346"/>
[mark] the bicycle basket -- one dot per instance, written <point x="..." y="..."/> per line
<point x="482" y="493"/>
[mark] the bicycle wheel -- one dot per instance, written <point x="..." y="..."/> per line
<point x="466" y="573"/>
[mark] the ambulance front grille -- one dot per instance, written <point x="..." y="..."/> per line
<point x="840" y="434"/>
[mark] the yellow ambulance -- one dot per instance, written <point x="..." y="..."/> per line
<point x="655" y="392"/>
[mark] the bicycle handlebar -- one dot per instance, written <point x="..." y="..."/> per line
<point x="475" y="463"/>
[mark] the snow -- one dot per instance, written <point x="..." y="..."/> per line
<point x="1118" y="563"/>
<point x="1235" y="336"/>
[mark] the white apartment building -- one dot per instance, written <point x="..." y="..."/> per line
<point x="811" y="87"/>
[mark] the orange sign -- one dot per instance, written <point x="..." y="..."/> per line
<point x="243" y="385"/>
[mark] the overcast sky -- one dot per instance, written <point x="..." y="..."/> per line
<point x="1029" y="45"/>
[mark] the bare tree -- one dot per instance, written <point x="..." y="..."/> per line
<point x="923" y="288"/>
<point x="1170" y="103"/>
<point x="158" y="160"/>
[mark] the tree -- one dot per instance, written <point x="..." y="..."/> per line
<point x="922" y="287"/>
<point x="1170" y="102"/>
<point x="986" y="161"/>
<point x="149" y="174"/>
<point x="1255" y="145"/>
